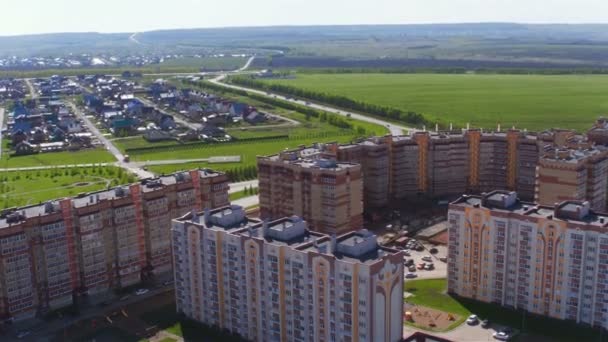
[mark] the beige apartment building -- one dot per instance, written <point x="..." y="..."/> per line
<point x="278" y="281"/>
<point x="548" y="260"/>
<point x="96" y="242"/>
<point x="573" y="174"/>
<point x="326" y="193"/>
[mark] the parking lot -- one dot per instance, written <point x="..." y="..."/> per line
<point x="439" y="267"/>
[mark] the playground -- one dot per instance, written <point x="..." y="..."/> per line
<point x="429" y="319"/>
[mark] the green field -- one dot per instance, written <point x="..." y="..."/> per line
<point x="534" y="102"/>
<point x="56" y="158"/>
<point x="32" y="187"/>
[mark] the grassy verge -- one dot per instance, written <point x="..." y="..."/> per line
<point x="32" y="187"/>
<point x="243" y="193"/>
<point x="432" y="293"/>
<point x="57" y="158"/>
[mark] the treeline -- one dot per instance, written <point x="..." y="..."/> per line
<point x="409" y="117"/>
<point x="242" y="173"/>
<point x="332" y="119"/>
<point x="458" y="70"/>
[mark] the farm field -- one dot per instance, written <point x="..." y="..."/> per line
<point x="209" y="63"/>
<point x="534" y="102"/>
<point x="57" y="158"/>
<point x="32" y="187"/>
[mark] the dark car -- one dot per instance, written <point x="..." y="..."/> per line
<point x="433" y="250"/>
<point x="485" y="323"/>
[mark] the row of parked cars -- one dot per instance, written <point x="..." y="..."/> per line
<point x="503" y="334"/>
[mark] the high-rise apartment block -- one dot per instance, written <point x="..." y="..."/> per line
<point x="94" y="243"/>
<point x="278" y="281"/>
<point x="548" y="260"/>
<point x="327" y="194"/>
<point x="549" y="166"/>
<point x="579" y="174"/>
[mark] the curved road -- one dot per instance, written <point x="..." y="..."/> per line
<point x="393" y="128"/>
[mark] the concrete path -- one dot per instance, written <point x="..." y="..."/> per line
<point x="240" y="186"/>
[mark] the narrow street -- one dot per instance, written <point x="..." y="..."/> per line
<point x="141" y="173"/>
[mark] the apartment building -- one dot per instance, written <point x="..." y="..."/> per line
<point x="326" y="193"/>
<point x="97" y="242"/>
<point x="278" y="281"/>
<point x="573" y="174"/>
<point x="548" y="260"/>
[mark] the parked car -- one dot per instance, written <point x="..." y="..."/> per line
<point x="412" y="268"/>
<point x="140" y="292"/>
<point x="472" y="320"/>
<point x="419" y="248"/>
<point x="23" y="333"/>
<point x="406" y="252"/>
<point x="411" y="275"/>
<point x="421" y="266"/>
<point x="433" y="250"/>
<point x="427" y="258"/>
<point x="502" y="335"/>
<point x="485" y="323"/>
<point x="429" y="267"/>
<point x="444" y="259"/>
<point x="125" y="297"/>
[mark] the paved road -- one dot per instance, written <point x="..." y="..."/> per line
<point x="240" y="186"/>
<point x="141" y="173"/>
<point x="247" y="201"/>
<point x="246" y="66"/>
<point x="33" y="94"/>
<point x="134" y="39"/>
<point x="393" y="128"/>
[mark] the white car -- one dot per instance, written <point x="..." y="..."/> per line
<point x="411" y="275"/>
<point x="23" y="334"/>
<point x="427" y="258"/>
<point x="141" y="292"/>
<point x="472" y="320"/>
<point x="501" y="335"/>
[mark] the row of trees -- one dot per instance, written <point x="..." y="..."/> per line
<point x="242" y="173"/>
<point x="409" y="117"/>
<point x="332" y="119"/>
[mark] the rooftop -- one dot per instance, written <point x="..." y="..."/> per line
<point x="569" y="211"/>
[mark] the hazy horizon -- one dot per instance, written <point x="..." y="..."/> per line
<point x="114" y="16"/>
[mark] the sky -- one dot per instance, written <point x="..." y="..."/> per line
<point x="46" y="16"/>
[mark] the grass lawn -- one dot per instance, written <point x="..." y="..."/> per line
<point x="138" y="142"/>
<point x="248" y="150"/>
<point x="242" y="194"/>
<point x="167" y="319"/>
<point x="167" y="339"/>
<point x="32" y="187"/>
<point x="432" y="293"/>
<point x="57" y="158"/>
<point x="534" y="102"/>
